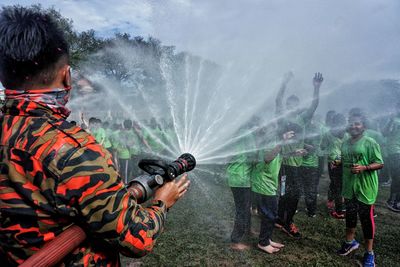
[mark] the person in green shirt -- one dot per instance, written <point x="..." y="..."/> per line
<point x="332" y="143"/>
<point x="309" y="167"/>
<point x="238" y="172"/>
<point x="361" y="160"/>
<point x="392" y="133"/>
<point x="128" y="146"/>
<point x="265" y="186"/>
<point x="293" y="119"/>
<point x="154" y="138"/>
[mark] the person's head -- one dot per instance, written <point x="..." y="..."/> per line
<point x="356" y="125"/>
<point x="33" y="50"/>
<point x="338" y="125"/>
<point x="92" y="122"/>
<point x="127" y="124"/>
<point x="73" y="122"/>
<point x="292" y="103"/>
<point x="329" y="117"/>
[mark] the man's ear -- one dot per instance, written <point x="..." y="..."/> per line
<point x="67" y="80"/>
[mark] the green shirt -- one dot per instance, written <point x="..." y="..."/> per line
<point x="363" y="186"/>
<point x="393" y="137"/>
<point x="313" y="138"/>
<point x="239" y="169"/>
<point x="154" y="138"/>
<point x="266" y="175"/>
<point x="333" y="146"/>
<point x="128" y="144"/>
<point x="297" y="142"/>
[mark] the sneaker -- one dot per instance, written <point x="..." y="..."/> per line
<point x="369" y="260"/>
<point x="394" y="207"/>
<point x="330" y="204"/>
<point x="346" y="249"/>
<point x="292" y="230"/>
<point x="340" y="215"/>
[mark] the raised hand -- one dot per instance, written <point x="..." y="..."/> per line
<point x="317" y="81"/>
<point x="288" y="135"/>
<point x="287" y="77"/>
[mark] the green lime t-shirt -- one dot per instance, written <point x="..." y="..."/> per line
<point x="297" y="142"/>
<point x="363" y="186"/>
<point x="154" y="138"/>
<point x="313" y="138"/>
<point x="239" y="170"/>
<point x="266" y="175"/>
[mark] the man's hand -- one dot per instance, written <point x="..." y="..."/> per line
<point x="288" y="135"/>
<point x="317" y="81"/>
<point x="287" y="77"/>
<point x="170" y="192"/>
<point x="300" y="152"/>
<point x="357" y="168"/>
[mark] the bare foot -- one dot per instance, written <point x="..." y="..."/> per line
<point x="269" y="249"/>
<point x="239" y="246"/>
<point x="276" y="244"/>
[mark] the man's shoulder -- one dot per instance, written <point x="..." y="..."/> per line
<point x="56" y="141"/>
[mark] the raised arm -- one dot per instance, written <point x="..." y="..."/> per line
<point x="317" y="81"/>
<point x="279" y="98"/>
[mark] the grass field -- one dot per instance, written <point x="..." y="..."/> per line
<point x="199" y="226"/>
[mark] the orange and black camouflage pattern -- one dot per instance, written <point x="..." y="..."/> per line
<point x="52" y="175"/>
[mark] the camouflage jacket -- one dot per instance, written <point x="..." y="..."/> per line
<point x="53" y="175"/>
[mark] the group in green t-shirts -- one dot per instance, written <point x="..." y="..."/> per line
<point x="128" y="142"/>
<point x="278" y="164"/>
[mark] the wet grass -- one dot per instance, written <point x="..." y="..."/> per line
<point x="199" y="227"/>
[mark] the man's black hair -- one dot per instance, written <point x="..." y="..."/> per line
<point x="92" y="120"/>
<point x="31" y="45"/>
<point x="127" y="124"/>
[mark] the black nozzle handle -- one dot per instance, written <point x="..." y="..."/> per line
<point x="148" y="164"/>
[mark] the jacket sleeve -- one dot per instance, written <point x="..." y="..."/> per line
<point x="93" y="191"/>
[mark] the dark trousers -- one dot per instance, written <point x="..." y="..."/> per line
<point x="366" y="214"/>
<point x="242" y="199"/>
<point x="384" y="174"/>
<point x="394" y="166"/>
<point x="335" y="187"/>
<point x="309" y="181"/>
<point x="288" y="202"/>
<point x="321" y="165"/>
<point x="268" y="211"/>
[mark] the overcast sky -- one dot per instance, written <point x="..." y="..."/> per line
<point x="347" y="40"/>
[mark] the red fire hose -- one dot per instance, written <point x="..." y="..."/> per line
<point x="63" y="244"/>
<point x="54" y="251"/>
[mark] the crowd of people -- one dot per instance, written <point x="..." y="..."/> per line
<point x="277" y="164"/>
<point x="130" y="141"/>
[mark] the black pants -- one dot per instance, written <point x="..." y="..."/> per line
<point x="288" y="202"/>
<point x="321" y="165"/>
<point x="268" y="210"/>
<point x="335" y="187"/>
<point x="242" y="198"/>
<point x="309" y="181"/>
<point x="394" y="167"/>
<point x="366" y="214"/>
